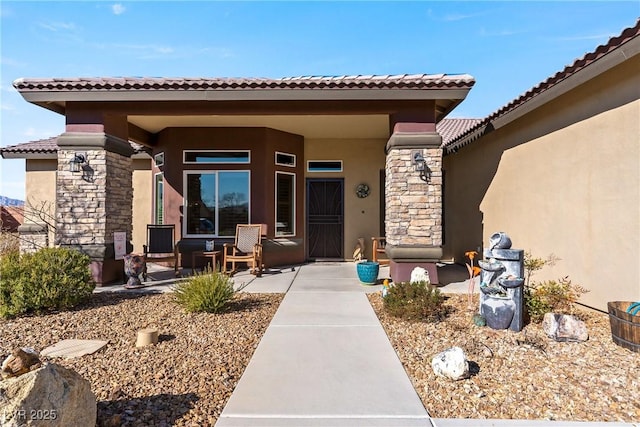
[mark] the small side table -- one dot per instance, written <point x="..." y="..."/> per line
<point x="205" y="254"/>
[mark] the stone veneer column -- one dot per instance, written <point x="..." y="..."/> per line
<point x="94" y="203"/>
<point x="413" y="225"/>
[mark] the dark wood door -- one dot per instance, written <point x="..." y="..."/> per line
<point x="325" y="215"/>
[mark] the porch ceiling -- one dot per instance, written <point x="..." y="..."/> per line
<point x="310" y="126"/>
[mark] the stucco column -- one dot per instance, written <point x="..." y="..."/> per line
<point x="413" y="224"/>
<point x="96" y="201"/>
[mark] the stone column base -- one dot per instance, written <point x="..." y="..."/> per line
<point x="107" y="272"/>
<point x="105" y="269"/>
<point x="33" y="237"/>
<point x="404" y="258"/>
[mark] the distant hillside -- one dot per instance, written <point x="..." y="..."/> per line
<point x="6" y="201"/>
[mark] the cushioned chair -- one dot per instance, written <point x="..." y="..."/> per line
<point x="377" y="250"/>
<point x="161" y="246"/>
<point x="246" y="248"/>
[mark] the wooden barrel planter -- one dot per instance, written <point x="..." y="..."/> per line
<point x="625" y="327"/>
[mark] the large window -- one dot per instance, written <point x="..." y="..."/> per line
<point x="215" y="202"/>
<point x="158" y="212"/>
<point x="285" y="204"/>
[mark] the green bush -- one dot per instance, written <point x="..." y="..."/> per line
<point x="557" y="296"/>
<point x="208" y="292"/>
<point x="415" y="301"/>
<point x="49" y="279"/>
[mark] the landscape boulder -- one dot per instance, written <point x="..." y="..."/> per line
<point x="50" y="396"/>
<point x="451" y="363"/>
<point x="564" y="327"/>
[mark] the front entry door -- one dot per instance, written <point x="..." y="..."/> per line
<point x="325" y="214"/>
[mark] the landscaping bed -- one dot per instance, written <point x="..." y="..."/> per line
<point x="522" y="375"/>
<point x="186" y="379"/>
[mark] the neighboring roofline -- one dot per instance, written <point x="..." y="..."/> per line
<point x="618" y="50"/>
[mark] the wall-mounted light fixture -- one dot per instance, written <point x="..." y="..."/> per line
<point x="77" y="162"/>
<point x="420" y="165"/>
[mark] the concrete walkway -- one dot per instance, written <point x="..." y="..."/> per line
<point x="324" y="361"/>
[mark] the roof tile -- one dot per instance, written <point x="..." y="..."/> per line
<point x="401" y="81"/>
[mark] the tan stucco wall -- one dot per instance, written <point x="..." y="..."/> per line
<point x="142" y="202"/>
<point x="362" y="161"/>
<point x="40" y="190"/>
<point x="563" y="179"/>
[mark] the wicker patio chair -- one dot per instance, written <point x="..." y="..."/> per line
<point x="246" y="248"/>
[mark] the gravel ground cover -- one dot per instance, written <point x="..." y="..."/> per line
<point x="186" y="379"/>
<point x="521" y="375"/>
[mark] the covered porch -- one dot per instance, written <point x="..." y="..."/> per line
<point x="294" y="154"/>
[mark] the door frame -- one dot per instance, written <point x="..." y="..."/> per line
<point x="308" y="182"/>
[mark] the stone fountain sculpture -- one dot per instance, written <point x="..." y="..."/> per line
<point x="501" y="284"/>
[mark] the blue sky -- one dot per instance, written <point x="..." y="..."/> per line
<point x="508" y="47"/>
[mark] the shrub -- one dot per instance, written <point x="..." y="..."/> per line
<point x="415" y="301"/>
<point x="556" y="296"/>
<point x="49" y="279"/>
<point x="208" y="291"/>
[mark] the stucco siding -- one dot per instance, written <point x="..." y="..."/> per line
<point x="142" y="202"/>
<point x="40" y="193"/>
<point x="562" y="180"/>
<point x="362" y="161"/>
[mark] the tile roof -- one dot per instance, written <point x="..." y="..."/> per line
<point x="41" y="146"/>
<point x="401" y="81"/>
<point x="47" y="146"/>
<point x="476" y="131"/>
<point x="11" y="217"/>
<point x="450" y="128"/>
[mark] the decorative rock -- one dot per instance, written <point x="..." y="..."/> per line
<point x="419" y="274"/>
<point x="564" y="327"/>
<point x="19" y="362"/>
<point x="51" y="395"/>
<point x="147" y="336"/>
<point x="451" y="363"/>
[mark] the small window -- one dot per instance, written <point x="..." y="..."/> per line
<point x="159" y="199"/>
<point x="285" y="204"/>
<point x="285" y="159"/>
<point x="159" y="159"/>
<point x="324" y="166"/>
<point x="216" y="156"/>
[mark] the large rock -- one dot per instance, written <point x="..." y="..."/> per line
<point x="564" y="327"/>
<point x="451" y="363"/>
<point x="50" y="396"/>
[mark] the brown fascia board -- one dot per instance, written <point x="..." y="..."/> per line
<point x="29" y="156"/>
<point x="497" y="120"/>
<point x="42" y="97"/>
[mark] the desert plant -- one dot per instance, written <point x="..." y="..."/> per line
<point x="208" y="291"/>
<point x="415" y="301"/>
<point x="49" y="279"/>
<point x="556" y="296"/>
